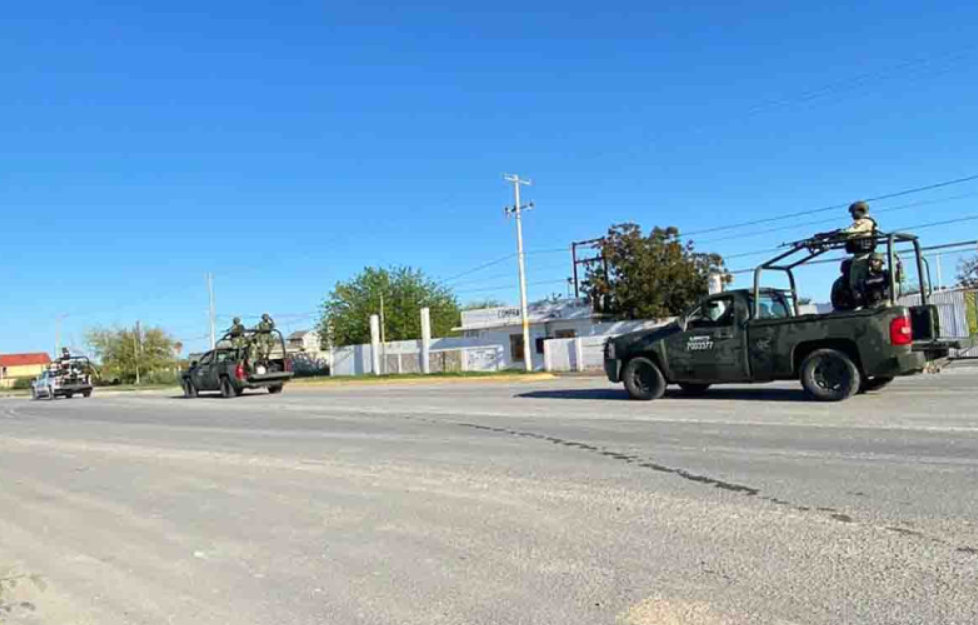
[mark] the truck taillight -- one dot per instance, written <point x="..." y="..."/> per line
<point x="288" y="364"/>
<point x="901" y="332"/>
<point x="239" y="371"/>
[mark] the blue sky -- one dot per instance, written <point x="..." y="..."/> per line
<point x="285" y="146"/>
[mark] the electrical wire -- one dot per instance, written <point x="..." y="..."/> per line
<point x="755" y="222"/>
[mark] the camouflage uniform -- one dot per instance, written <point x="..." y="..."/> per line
<point x="862" y="226"/>
<point x="237" y="333"/>
<point x="263" y="336"/>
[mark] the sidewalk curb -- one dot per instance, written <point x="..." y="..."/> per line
<point x="380" y="381"/>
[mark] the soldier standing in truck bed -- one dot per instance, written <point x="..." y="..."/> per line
<point x="237" y="333"/>
<point x="863" y="227"/>
<point x="263" y="336"/>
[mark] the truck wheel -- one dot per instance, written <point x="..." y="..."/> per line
<point x="275" y="388"/>
<point x="874" y="383"/>
<point x="643" y="380"/>
<point x="829" y="375"/>
<point x="693" y="388"/>
<point x="87" y="394"/>
<point x="238" y="392"/>
<point x="189" y="390"/>
<point x="227" y="391"/>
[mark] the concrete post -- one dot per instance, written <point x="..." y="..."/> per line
<point x="375" y="343"/>
<point x="425" y="340"/>
<point x="579" y="354"/>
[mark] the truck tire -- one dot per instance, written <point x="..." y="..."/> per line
<point x="830" y="375"/>
<point x="87" y="394"/>
<point x="874" y="383"/>
<point x="238" y="392"/>
<point x="189" y="390"/>
<point x="643" y="379"/>
<point x="275" y="388"/>
<point x="693" y="388"/>
<point x="227" y="391"/>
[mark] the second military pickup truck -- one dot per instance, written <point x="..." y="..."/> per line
<point x="757" y="335"/>
<point x="233" y="367"/>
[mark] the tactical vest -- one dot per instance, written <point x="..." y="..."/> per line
<point x="863" y="244"/>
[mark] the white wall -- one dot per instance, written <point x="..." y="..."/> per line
<point x="586" y="353"/>
<point x="404" y="356"/>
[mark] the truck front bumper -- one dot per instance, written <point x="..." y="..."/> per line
<point x="612" y="368"/>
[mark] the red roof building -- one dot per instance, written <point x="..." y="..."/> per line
<point x="24" y="360"/>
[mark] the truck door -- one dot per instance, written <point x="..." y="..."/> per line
<point x="205" y="374"/>
<point x="769" y="358"/>
<point x="711" y="349"/>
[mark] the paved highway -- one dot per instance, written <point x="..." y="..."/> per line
<point x="484" y="503"/>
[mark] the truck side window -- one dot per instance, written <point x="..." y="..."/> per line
<point x="207" y="358"/>
<point x="772" y="306"/>
<point x="716" y="313"/>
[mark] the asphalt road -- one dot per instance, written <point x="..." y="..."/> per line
<point x="549" y="502"/>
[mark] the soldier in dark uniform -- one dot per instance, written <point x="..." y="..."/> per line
<point x="64" y="361"/>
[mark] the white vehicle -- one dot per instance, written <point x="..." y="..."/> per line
<point x="67" y="381"/>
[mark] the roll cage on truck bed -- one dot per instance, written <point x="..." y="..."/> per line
<point x="760" y="335"/>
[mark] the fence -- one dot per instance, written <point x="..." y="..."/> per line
<point x="957" y="311"/>
<point x="404" y="357"/>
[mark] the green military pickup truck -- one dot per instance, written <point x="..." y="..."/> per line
<point x="231" y="368"/>
<point x="758" y="335"/>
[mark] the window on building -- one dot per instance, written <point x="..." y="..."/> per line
<point x="565" y="334"/>
<point x="516" y="346"/>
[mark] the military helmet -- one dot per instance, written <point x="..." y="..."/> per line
<point x="237" y="320"/>
<point x="265" y="317"/>
<point x="859" y="209"/>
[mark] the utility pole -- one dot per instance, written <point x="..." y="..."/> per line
<point x="135" y="349"/>
<point x="517" y="210"/>
<point x="57" y="334"/>
<point x="212" y="310"/>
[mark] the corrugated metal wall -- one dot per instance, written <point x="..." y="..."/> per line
<point x="952" y="308"/>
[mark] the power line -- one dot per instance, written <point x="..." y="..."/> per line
<point x="795" y="226"/>
<point x="478" y="268"/>
<point x="755" y="222"/>
<point x="964" y="245"/>
<point x="513" y="286"/>
<point x="902" y="228"/>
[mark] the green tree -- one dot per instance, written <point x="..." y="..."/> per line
<point x="648" y="277"/>
<point x="346" y="311"/>
<point x="968" y="272"/>
<point x="119" y="351"/>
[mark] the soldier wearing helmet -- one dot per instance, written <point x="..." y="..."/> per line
<point x="861" y="234"/>
<point x="264" y="336"/>
<point x="237" y="333"/>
